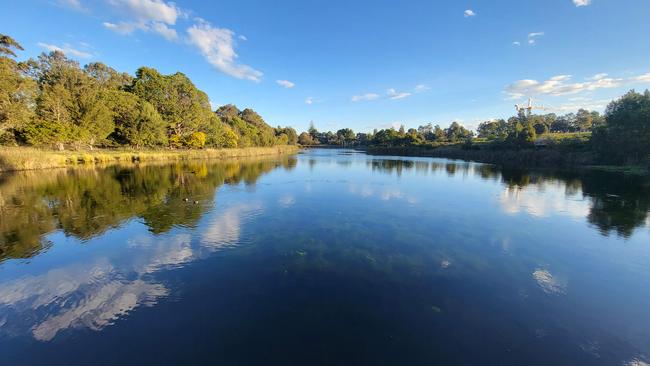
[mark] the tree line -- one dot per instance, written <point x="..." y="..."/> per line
<point x="392" y="137"/>
<point x="583" y="121"/>
<point x="620" y="136"/>
<point x="53" y="101"/>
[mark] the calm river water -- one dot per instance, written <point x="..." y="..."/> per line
<point x="329" y="257"/>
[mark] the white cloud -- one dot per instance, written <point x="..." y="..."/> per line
<point x="391" y="94"/>
<point x="218" y="47"/>
<point x="162" y="29"/>
<point x="598" y="76"/>
<point x="66" y="49"/>
<point x="154" y="16"/>
<point x="588" y="104"/>
<point x="394" y="95"/>
<point x="285" y="84"/>
<point x="421" y="88"/>
<point x="309" y="100"/>
<point x="582" y="2"/>
<point x="72" y="4"/>
<point x="125" y="28"/>
<point x="532" y="37"/>
<point x="531" y="40"/>
<point x="645" y="78"/>
<point x="365" y="97"/>
<point x="562" y="85"/>
<point x="149" y="10"/>
<point x="121" y="28"/>
<point x="469" y="13"/>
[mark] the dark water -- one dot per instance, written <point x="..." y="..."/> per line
<point x="330" y="257"/>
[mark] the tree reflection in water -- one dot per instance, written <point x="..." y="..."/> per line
<point x="618" y="203"/>
<point x="85" y="203"/>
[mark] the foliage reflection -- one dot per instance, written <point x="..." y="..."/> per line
<point x="86" y="203"/>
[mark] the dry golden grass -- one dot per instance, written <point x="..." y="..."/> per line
<point x="27" y="158"/>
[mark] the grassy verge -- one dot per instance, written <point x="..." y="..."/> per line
<point x="25" y="158"/>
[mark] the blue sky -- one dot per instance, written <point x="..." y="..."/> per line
<point x="361" y="64"/>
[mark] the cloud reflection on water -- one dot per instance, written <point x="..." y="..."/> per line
<point x="543" y="200"/>
<point x="96" y="291"/>
<point x="549" y="283"/>
<point x="384" y="193"/>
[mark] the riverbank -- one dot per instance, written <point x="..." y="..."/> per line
<point x="544" y="158"/>
<point x="26" y="158"/>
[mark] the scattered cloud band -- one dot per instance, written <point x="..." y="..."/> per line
<point x="285" y="84"/>
<point x="66" y="49"/>
<point x="563" y="85"/>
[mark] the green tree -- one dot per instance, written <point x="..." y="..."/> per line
<point x="107" y="77"/>
<point x="625" y="137"/>
<point x="528" y="135"/>
<point x="456" y="132"/>
<point x="584" y="120"/>
<point x="563" y="123"/>
<point x="290" y="133"/>
<point x="495" y="129"/>
<point x="53" y="123"/>
<point x="183" y="107"/>
<point x="313" y="131"/>
<point x="598" y="119"/>
<point x="95" y="123"/>
<point x="249" y="125"/>
<point x="305" y="139"/>
<point x="345" y="136"/>
<point x="228" y="138"/>
<point x="438" y="133"/>
<point x="260" y="132"/>
<point x="387" y="137"/>
<point x="125" y="108"/>
<point x="8" y="46"/>
<point x="228" y="111"/>
<point x="17" y="92"/>
<point x="69" y="100"/>
<point x="147" y="129"/>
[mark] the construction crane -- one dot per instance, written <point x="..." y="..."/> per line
<point x="528" y="109"/>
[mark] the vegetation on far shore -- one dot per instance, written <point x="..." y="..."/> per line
<point x="619" y="138"/>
